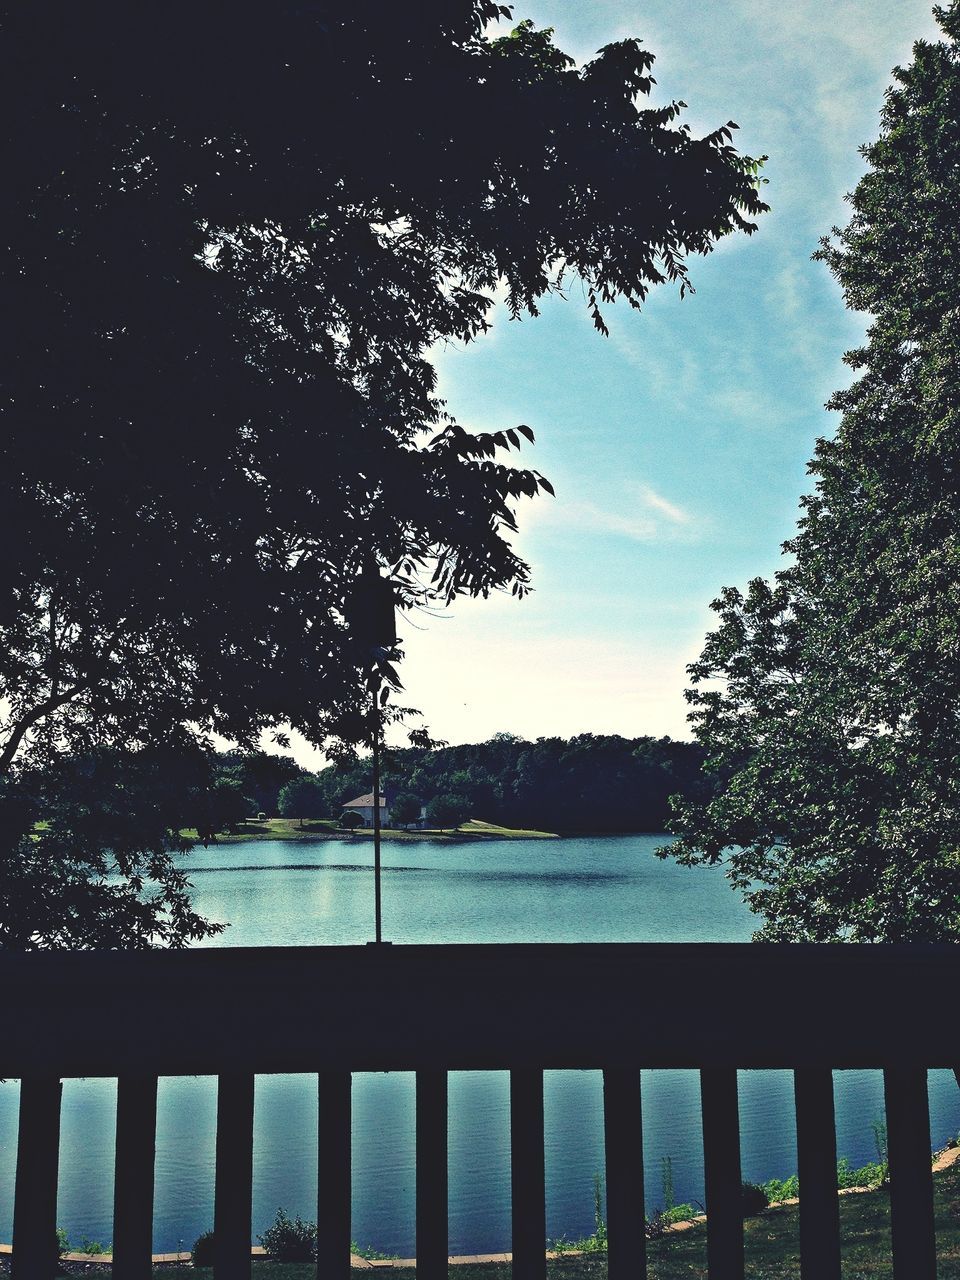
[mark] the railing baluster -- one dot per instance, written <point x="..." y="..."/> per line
<point x="333" y="1176"/>
<point x="431" y="1175"/>
<point x="35" y="1204"/>
<point x="623" y="1142"/>
<point x="527" y="1175"/>
<point x="234" y="1185"/>
<point x="721" y="1170"/>
<point x="133" y="1177"/>
<point x="911" y="1174"/>
<point x="817" y="1170"/>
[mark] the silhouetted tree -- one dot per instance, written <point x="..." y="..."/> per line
<point x="217" y="383"/>
<point x="260" y="775"/>
<point x="228" y="805"/>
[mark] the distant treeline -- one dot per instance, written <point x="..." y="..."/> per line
<point x="592" y="782"/>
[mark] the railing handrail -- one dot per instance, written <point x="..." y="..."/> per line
<point x="494" y="1006"/>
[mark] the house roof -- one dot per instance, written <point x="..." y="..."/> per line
<point x="363" y="802"/>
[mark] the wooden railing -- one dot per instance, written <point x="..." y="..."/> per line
<point x="336" y="1010"/>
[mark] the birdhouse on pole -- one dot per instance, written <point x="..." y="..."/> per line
<point x="374" y="618"/>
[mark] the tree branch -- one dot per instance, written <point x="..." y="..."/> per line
<point x="34" y="717"/>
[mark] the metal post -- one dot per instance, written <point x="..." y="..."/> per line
<point x="376" y="815"/>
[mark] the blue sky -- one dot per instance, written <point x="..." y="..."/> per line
<point x="677" y="446"/>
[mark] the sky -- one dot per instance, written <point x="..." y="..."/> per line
<point x="677" y="446"/>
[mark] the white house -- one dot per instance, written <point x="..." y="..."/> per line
<point x="364" y="806"/>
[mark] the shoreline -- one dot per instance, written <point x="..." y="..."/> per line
<point x="472" y="832"/>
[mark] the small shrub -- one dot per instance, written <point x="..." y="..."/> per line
<point x="869" y="1175"/>
<point x="679" y="1213"/>
<point x="371" y="1254"/>
<point x="656" y="1226"/>
<point x="63" y="1244"/>
<point x="93" y="1247"/>
<point x="753" y="1199"/>
<point x="202" y="1253"/>
<point x="290" y="1239"/>
<point x="782" y="1188"/>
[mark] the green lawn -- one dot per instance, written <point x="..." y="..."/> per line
<point x="772" y="1247"/>
<point x="478" y="828"/>
<point x="273" y="829"/>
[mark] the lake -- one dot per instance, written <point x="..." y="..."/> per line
<point x="591" y="889"/>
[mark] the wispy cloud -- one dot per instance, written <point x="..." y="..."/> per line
<point x="636" y="511"/>
<point x="589" y="517"/>
<point x="657" y="502"/>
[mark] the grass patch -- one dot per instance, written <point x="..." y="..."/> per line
<point x="473" y="829"/>
<point x="477" y="828"/>
<point x="271" y="829"/>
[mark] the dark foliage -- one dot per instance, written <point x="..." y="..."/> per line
<point x="588" y="783"/>
<point x="261" y="775"/>
<point x="753" y="1199"/>
<point x="405" y="808"/>
<point x="448" y="810"/>
<point x="203" y="1250"/>
<point x="88" y="849"/>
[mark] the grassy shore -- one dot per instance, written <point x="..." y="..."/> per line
<point x="772" y="1247"/>
<point x="326" y="828"/>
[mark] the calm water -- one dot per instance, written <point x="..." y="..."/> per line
<point x="581" y="890"/>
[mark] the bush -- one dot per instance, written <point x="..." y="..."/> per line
<point x="869" y="1175"/>
<point x="753" y="1199"/>
<point x="448" y="811"/>
<point x="93" y="1248"/>
<point x="202" y="1253"/>
<point x="290" y="1239"/>
<point x="372" y="1255"/>
<point x="679" y="1213"/>
<point x="782" y="1188"/>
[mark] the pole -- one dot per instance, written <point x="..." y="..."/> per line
<point x="376" y="814"/>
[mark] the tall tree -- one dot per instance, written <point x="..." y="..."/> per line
<point x="835" y="725"/>
<point x="303" y="797"/>
<point x="448" y="811"/>
<point x="229" y="244"/>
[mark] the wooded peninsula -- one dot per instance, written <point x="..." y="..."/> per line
<point x="591" y="782"/>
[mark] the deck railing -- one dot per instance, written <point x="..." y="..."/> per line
<point x="519" y="1008"/>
